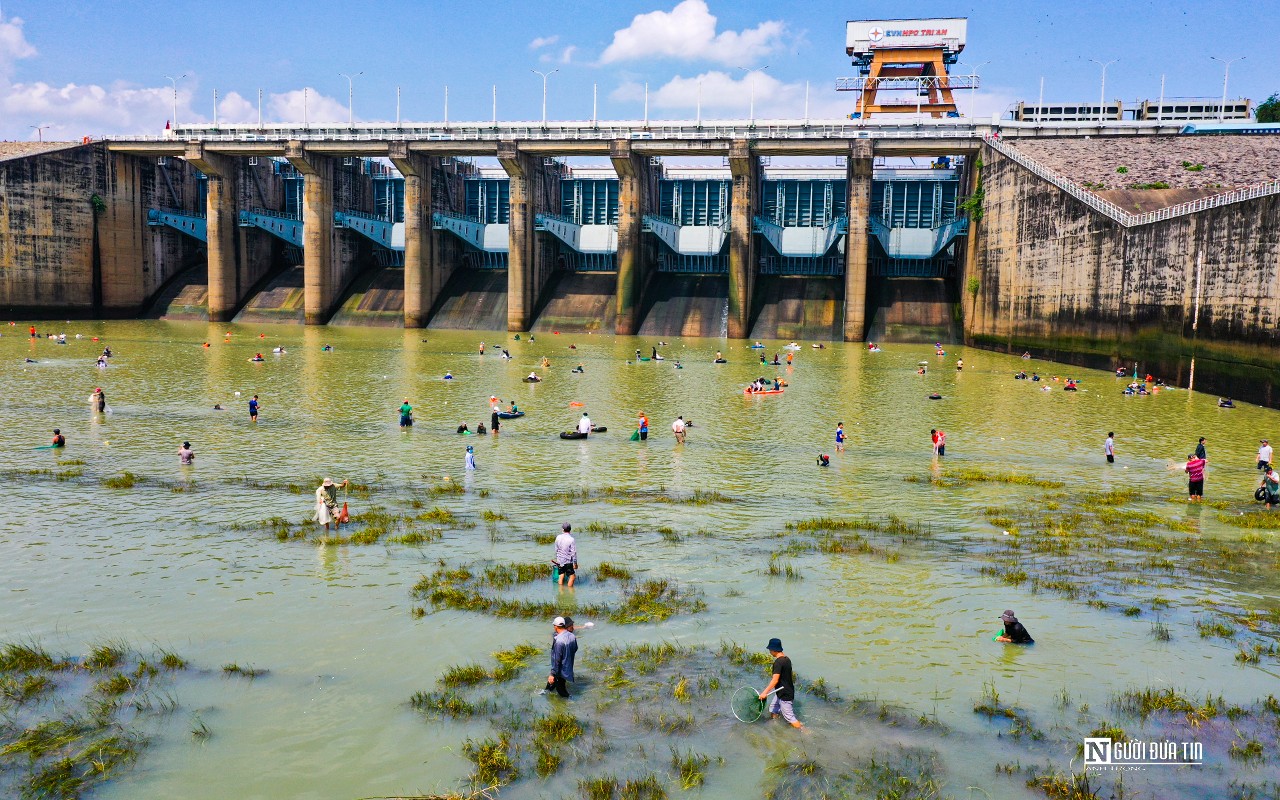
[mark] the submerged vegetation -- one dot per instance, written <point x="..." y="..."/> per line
<point x="463" y="588"/>
<point x="69" y="724"/>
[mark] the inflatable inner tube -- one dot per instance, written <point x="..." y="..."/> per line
<point x="720" y="361"/>
<point x="572" y="435"/>
<point x="598" y="429"/>
<point x="1260" y="494"/>
<point x="935" y="397"/>
<point x="510" y="414"/>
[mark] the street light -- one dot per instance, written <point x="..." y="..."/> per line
<point x="351" y="96"/>
<point x="1226" y="73"/>
<point x="174" y="81"/>
<point x="544" y="75"/>
<point x="973" y="87"/>
<point x="40" y="129"/>
<point x="751" y="73"/>
<point x="1103" y="93"/>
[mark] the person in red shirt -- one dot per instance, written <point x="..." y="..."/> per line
<point x="1195" y="477"/>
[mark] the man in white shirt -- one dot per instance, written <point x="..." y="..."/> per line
<point x="584" y="424"/>
<point x="566" y="557"/>
<point x="1264" y="454"/>
<point x="1109" y="448"/>
<point x="677" y="427"/>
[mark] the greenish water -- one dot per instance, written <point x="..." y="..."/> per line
<point x="81" y="563"/>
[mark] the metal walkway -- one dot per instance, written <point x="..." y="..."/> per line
<point x="193" y="225"/>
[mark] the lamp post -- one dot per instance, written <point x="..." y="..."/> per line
<point x="544" y="75"/>
<point x="1226" y="73"/>
<point x="174" y="81"/>
<point x="751" y="73"/>
<point x="351" y="96"/>
<point x="1102" y="94"/>
<point x="973" y="87"/>
<point x="40" y="129"/>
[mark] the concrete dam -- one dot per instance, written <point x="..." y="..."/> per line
<point x="1087" y="242"/>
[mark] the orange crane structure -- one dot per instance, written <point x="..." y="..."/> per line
<point x="906" y="55"/>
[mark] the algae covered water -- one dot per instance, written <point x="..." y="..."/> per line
<point x="884" y="574"/>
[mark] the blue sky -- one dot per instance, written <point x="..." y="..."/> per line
<point x="99" y="68"/>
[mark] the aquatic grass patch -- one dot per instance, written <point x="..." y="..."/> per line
<point x="447" y="703"/>
<point x="464" y="589"/>
<point x="965" y="476"/>
<point x="511" y="662"/>
<point x="1254" y="520"/>
<point x="463" y="675"/>
<point x="492" y="759"/>
<point x="900" y="773"/>
<point x="74" y="731"/>
<point x="689" y="768"/>
<point x="990" y="706"/>
<point x="1144" y="703"/>
<point x="1062" y="786"/>
<point x="125" y="480"/>
<point x="619" y="495"/>
<point x="246" y="671"/>
<point x="606" y="570"/>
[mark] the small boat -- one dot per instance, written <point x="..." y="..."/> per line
<point x="818" y="346"/>
<point x="756" y="346"/>
<point x="792" y="346"/>
<point x="762" y="391"/>
<point x="580" y="435"/>
<point x="510" y="414"/>
<point x="656" y="358"/>
<point x="644" y="358"/>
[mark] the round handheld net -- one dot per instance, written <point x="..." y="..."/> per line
<point x="746" y="704"/>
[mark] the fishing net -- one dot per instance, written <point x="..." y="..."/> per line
<point x="746" y="704"/>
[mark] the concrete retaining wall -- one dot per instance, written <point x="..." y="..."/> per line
<point x="1056" y="276"/>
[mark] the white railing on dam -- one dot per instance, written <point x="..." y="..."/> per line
<point x="972" y="129"/>
<point x="1117" y="213"/>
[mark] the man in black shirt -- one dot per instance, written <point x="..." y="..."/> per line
<point x="1014" y="633"/>
<point x="783" y="681"/>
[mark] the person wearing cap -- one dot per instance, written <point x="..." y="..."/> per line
<point x="327" y="504"/>
<point x="471" y="459"/>
<point x="584" y="424"/>
<point x="1014" y="633"/>
<point x="1271" y="486"/>
<point x="784" y="682"/>
<point x="566" y="557"/>
<point x="406" y="414"/>
<point x="1195" y="477"/>
<point x="564" y="647"/>
<point x="1264" y="454"/>
<point x="185" y="454"/>
<point x="494" y="408"/>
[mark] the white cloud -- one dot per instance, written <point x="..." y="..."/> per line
<point x="565" y="56"/>
<point x="543" y="41"/>
<point x="234" y="108"/>
<point x="13" y="46"/>
<point x="288" y="107"/>
<point x="688" y="32"/>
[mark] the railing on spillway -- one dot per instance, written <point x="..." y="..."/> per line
<point x="1117" y="213"/>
